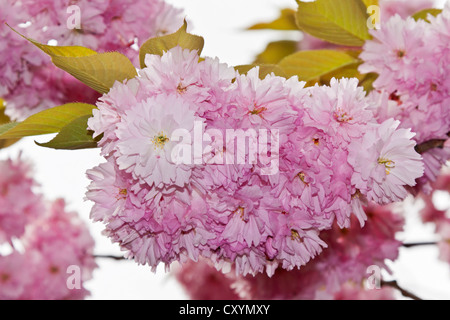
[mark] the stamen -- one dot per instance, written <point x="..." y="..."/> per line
<point x="258" y="110"/>
<point x="181" y="89"/>
<point x="54" y="270"/>
<point x="295" y="236"/>
<point x="160" y="140"/>
<point x="388" y="164"/>
<point x="302" y="177"/>
<point x="241" y="212"/>
<point x="123" y="193"/>
<point x="342" y="116"/>
<point x="4" y="277"/>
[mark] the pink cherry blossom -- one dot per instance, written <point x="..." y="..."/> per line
<point x="384" y="162"/>
<point x="43" y="238"/>
<point x="14" y="276"/>
<point x="145" y="147"/>
<point x="52" y="244"/>
<point x="340" y="110"/>
<point x="19" y="205"/>
<point x="202" y="281"/>
<point x="403" y="8"/>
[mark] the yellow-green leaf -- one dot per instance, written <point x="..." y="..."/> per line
<point x="60" y="51"/>
<point x="47" y="121"/>
<point x="367" y="81"/>
<point x="3" y="117"/>
<point x="5" y="124"/>
<point x="98" y="71"/>
<point x="369" y="3"/>
<point x="180" y="38"/>
<point x="341" y="22"/>
<point x="275" y="51"/>
<point x="264" y="69"/>
<point x="286" y="21"/>
<point x="6" y="127"/>
<point x="348" y="71"/>
<point x="73" y="136"/>
<point x="311" y="65"/>
<point x="423" y="14"/>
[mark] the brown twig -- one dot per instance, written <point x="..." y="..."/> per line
<point x="100" y="256"/>
<point x="419" y="244"/>
<point x="394" y="284"/>
<point x="431" y="144"/>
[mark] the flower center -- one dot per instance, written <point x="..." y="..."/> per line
<point x="295" y="236"/>
<point x="240" y="211"/>
<point x="181" y="89"/>
<point x="401" y="53"/>
<point x="388" y="164"/>
<point x="342" y="116"/>
<point x="302" y="177"/>
<point x="4" y="277"/>
<point x="258" y="110"/>
<point x="433" y="87"/>
<point x="54" y="270"/>
<point x="122" y="194"/>
<point x="160" y="140"/>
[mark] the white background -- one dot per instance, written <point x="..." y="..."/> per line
<point x="62" y="173"/>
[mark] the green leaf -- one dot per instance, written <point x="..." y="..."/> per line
<point x="341" y="22"/>
<point x="3" y="117"/>
<point x="286" y="21"/>
<point x="6" y="127"/>
<point x="47" y="121"/>
<point x="369" y="3"/>
<point x="264" y="69"/>
<point x="98" y="71"/>
<point x="73" y="136"/>
<point x="60" y="51"/>
<point x="5" y="124"/>
<point x="7" y="143"/>
<point x="180" y="38"/>
<point x="367" y="81"/>
<point x="348" y="71"/>
<point x="423" y="14"/>
<point x="276" y="51"/>
<point x="311" y="65"/>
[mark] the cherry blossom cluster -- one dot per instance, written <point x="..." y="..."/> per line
<point x="47" y="244"/>
<point x="29" y="82"/>
<point x="411" y="59"/>
<point x="338" y="273"/>
<point x="204" y="162"/>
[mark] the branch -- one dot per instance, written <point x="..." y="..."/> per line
<point x="419" y="244"/>
<point x="394" y="284"/>
<point x="100" y="256"/>
<point x="431" y="144"/>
